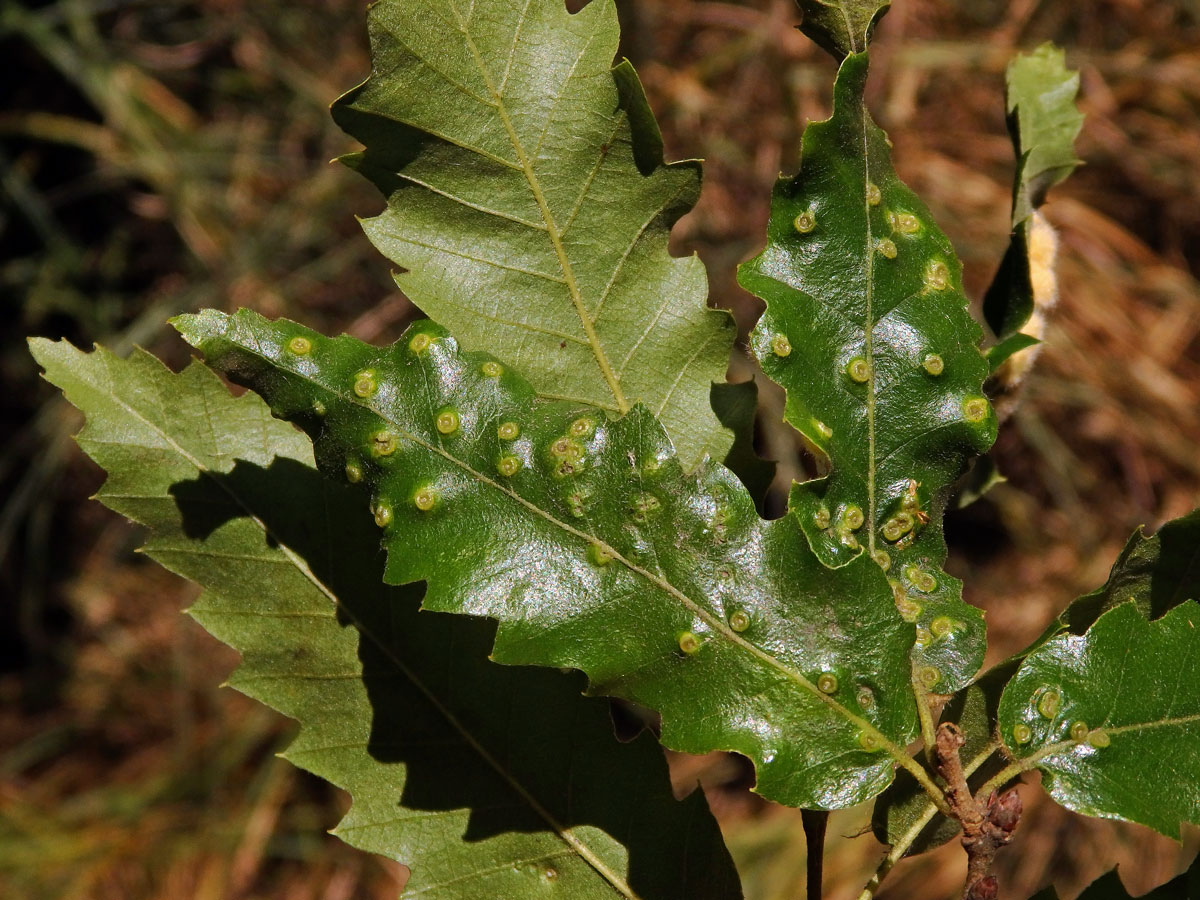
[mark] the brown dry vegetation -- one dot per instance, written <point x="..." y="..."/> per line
<point x="158" y="157"/>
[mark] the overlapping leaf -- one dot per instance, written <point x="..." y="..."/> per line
<point x="529" y="205"/>
<point x="484" y="780"/>
<point x="1112" y="717"/>
<point x="594" y="550"/>
<point x="867" y="329"/>
<point x="1156" y="573"/>
<point x="1044" y="121"/>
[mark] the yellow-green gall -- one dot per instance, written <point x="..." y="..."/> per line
<point x="975" y="409"/>
<point x="887" y="248"/>
<point x="909" y="609"/>
<point x="508" y="431"/>
<point x="942" y="626"/>
<point x="853" y="517"/>
<point x="821" y="517"/>
<point x="905" y="223"/>
<point x="598" y="554"/>
<point x="858" y="369"/>
<point x="383" y="515"/>
<point x="937" y="275"/>
<point x="492" y="369"/>
<point x="1022" y="733"/>
<point x="419" y="342"/>
<point x="425" y="499"/>
<point x="354" y="472"/>
<point x="688" y="642"/>
<point x="882" y="559"/>
<point x="824" y="430"/>
<point x="929" y="676"/>
<point x="869" y="741"/>
<point x="898" y="526"/>
<point x="1099" y="739"/>
<point x="827" y="683"/>
<point x="383" y="443"/>
<point x="920" y="579"/>
<point x="365" y="384"/>
<point x="1079" y="730"/>
<point x="583" y="427"/>
<point x="873" y="195"/>
<point x="739" y="620"/>
<point x="805" y="222"/>
<point x="1048" y="704"/>
<point x="865" y="697"/>
<point x="301" y="346"/>
<point x="508" y="466"/>
<point x="781" y="346"/>
<point x="447" y="421"/>
<point x="933" y="364"/>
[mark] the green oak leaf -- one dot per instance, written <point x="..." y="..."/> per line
<point x="594" y="550"/>
<point x="529" y="206"/>
<point x="1044" y="122"/>
<point x="867" y="329"/>
<point x="1156" y="573"/>
<point x="485" y="780"/>
<point x="842" y="27"/>
<point x="1112" y="717"/>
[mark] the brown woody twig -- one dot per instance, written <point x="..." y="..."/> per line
<point x="987" y="824"/>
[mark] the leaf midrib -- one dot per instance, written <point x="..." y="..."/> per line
<point x="552" y="230"/>
<point x="574" y="843"/>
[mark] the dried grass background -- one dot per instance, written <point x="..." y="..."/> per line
<point x="160" y="156"/>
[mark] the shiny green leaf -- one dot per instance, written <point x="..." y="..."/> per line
<point x="486" y="781"/>
<point x="1156" y="573"/>
<point x="594" y="550"/>
<point x="529" y="206"/>
<point x="867" y="329"/>
<point x="1112" y="717"/>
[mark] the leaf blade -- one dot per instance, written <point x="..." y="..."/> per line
<point x="518" y="164"/>
<point x="1112" y="717"/>
<point x="292" y="579"/>
<point x="593" y="550"/>
<point x="867" y="330"/>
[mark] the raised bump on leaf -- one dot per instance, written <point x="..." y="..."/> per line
<point x="873" y="296"/>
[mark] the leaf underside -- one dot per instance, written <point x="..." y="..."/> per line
<point x="1044" y="121"/>
<point x="529" y="206"/>
<point x="867" y="329"/>
<point x="484" y="780"/>
<point x="592" y="548"/>
<point x="1112" y="717"/>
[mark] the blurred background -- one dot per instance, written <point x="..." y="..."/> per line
<point x="157" y="157"/>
